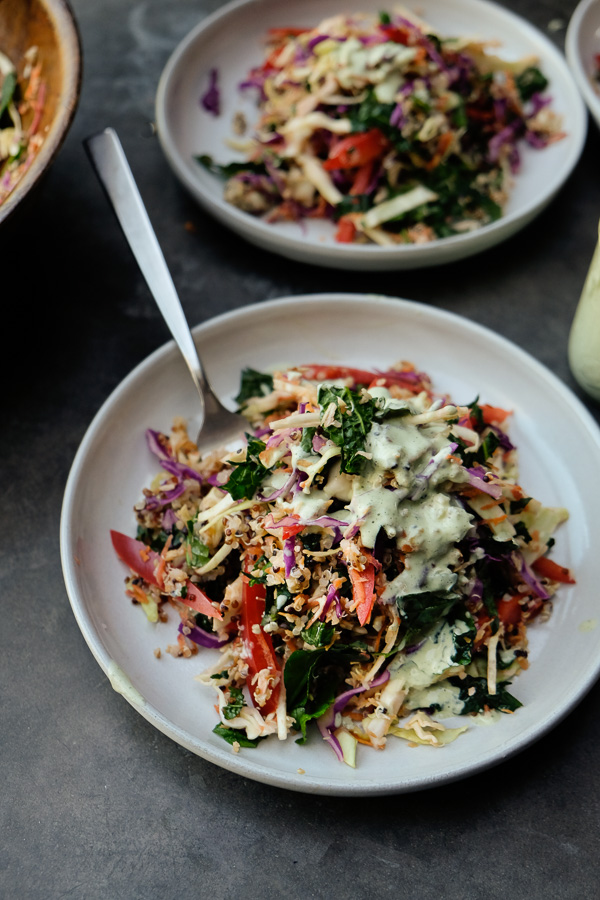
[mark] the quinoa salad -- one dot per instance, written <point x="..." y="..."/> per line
<point x="22" y="100"/>
<point x="366" y="567"/>
<point x="393" y="132"/>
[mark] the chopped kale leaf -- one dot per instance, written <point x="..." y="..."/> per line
<point x="351" y="424"/>
<point x="236" y="701"/>
<point x="253" y="384"/>
<point x="234" y="735"/>
<point x="234" y="168"/>
<point x="531" y="82"/>
<point x="247" y="476"/>
<point x="475" y="696"/>
<point x="197" y="553"/>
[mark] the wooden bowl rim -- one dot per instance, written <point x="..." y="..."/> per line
<point x="64" y="23"/>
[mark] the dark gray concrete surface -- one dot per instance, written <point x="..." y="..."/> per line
<point x="94" y="802"/>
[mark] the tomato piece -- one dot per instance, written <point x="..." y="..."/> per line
<point x="493" y="414"/>
<point x="362" y="179"/>
<point x="279" y="33"/>
<point x="290" y="530"/>
<point x="547" y="568"/>
<point x="356" y="150"/>
<point x="360" y="377"/>
<point x="346" y="231"/>
<point x="331" y="373"/>
<point x="396" y="34"/>
<point x="480" y="115"/>
<point x="137" y="555"/>
<point x="271" y="60"/>
<point x="363" y="587"/>
<point x="144" y="562"/>
<point x="197" y="599"/>
<point x="258" y="645"/>
<point x="509" y="611"/>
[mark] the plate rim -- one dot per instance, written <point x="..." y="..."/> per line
<point x="238" y="764"/>
<point x="576" y="64"/>
<point x="373" y="256"/>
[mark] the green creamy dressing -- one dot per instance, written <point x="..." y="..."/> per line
<point x="417" y="513"/>
<point x="433" y="658"/>
<point x="444" y="697"/>
<point x="413" y="509"/>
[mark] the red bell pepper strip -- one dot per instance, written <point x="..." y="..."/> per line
<point x="356" y="150"/>
<point x="278" y="34"/>
<point x="288" y="531"/>
<point x="509" y="611"/>
<point x="396" y="34"/>
<point x="258" y="645"/>
<point x="144" y="561"/>
<point x="547" y="568"/>
<point x="492" y="414"/>
<point x="359" y="376"/>
<point x="363" y="586"/>
<point x="346" y="231"/>
<point x="363" y="179"/>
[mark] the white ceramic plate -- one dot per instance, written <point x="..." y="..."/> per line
<point x="231" y="41"/>
<point x="560" y="447"/>
<point x="581" y="46"/>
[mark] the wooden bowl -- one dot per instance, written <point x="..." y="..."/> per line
<point x="50" y="26"/>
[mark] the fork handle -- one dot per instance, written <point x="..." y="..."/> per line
<point x="110" y="163"/>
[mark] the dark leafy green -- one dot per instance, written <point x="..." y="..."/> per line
<point x="351" y="426"/>
<point x="234" y="735"/>
<point x="233" y="168"/>
<point x="318" y="635"/>
<point x="353" y="203"/>
<point x="156" y="540"/>
<point x="313" y="679"/>
<point x="476" y="413"/>
<point x="196" y="552"/>
<point x="475" y="696"/>
<point x="531" y="82"/>
<point x="9" y="85"/>
<point x="247" y="476"/>
<point x="517" y="506"/>
<point x="421" y="611"/>
<point x="253" y="384"/>
<point x="261" y="565"/>
<point x="236" y="701"/>
<point x="306" y="440"/>
<point x="464" y="643"/>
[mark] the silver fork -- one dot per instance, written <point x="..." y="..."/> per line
<point x="219" y="425"/>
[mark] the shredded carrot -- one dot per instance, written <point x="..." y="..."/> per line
<point x="497" y="520"/>
<point x="443" y="146"/>
<point x="137" y="593"/>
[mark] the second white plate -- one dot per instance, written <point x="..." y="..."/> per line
<point x="232" y="41"/>
<point x="582" y="44"/>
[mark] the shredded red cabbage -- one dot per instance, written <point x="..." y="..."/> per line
<point x="326" y="722"/>
<point x="155" y="502"/>
<point x="528" y="576"/>
<point x="282" y="491"/>
<point x="201" y="637"/>
<point x="289" y="556"/>
<point x="154" y="444"/>
<point x="211" y="100"/>
<point x="476" y="479"/>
